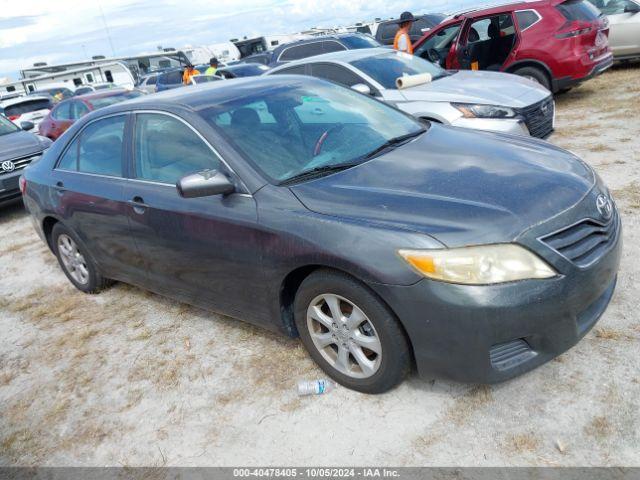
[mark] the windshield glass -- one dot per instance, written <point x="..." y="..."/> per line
<point x="27" y="106"/>
<point x="7" y="126"/>
<point x="102" y="102"/>
<point x="387" y="67"/>
<point x="286" y="130"/>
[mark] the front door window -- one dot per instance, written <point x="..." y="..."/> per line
<point x="489" y="43"/>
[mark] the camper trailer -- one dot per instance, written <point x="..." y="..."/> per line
<point x="114" y="72"/>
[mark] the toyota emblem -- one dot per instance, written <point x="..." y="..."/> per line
<point x="604" y="206"/>
<point x="8" y="166"/>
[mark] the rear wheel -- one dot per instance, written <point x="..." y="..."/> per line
<point x="536" y="75"/>
<point x="351" y="333"/>
<point x="75" y="262"/>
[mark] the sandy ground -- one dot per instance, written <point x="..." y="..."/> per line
<point x="129" y="378"/>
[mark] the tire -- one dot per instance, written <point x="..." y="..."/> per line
<point x="366" y="370"/>
<point x="536" y="75"/>
<point x="81" y="270"/>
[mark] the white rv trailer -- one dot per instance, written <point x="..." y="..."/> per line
<point x="114" y="72"/>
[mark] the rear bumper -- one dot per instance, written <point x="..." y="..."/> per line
<point x="9" y="188"/>
<point x="488" y="334"/>
<point x="598" y="68"/>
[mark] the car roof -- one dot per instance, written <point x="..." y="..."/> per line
<point x="207" y="94"/>
<point x="320" y="38"/>
<point x="499" y="8"/>
<point x="18" y="100"/>
<point x="346" y="56"/>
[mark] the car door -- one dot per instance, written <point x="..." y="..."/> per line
<point x="439" y="46"/>
<point x="624" y="30"/>
<point x="487" y="42"/>
<point x="89" y="186"/>
<point x="204" y="251"/>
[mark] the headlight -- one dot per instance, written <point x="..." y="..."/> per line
<point x="480" y="265"/>
<point x="484" y="111"/>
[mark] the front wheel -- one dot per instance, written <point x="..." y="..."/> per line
<point x="350" y="333"/>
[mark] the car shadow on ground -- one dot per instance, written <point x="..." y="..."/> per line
<point x="12" y="212"/>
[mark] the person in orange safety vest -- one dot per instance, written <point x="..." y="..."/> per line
<point x="402" y="42"/>
<point x="189" y="71"/>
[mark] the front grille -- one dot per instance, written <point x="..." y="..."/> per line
<point x="510" y="354"/>
<point x="19" y="163"/>
<point x="584" y="242"/>
<point x="539" y="118"/>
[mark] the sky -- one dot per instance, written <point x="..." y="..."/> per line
<point x="68" y="30"/>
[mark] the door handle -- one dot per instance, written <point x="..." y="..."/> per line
<point x="138" y="205"/>
<point x="60" y="188"/>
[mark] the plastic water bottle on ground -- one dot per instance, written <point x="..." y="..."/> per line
<point x="314" y="387"/>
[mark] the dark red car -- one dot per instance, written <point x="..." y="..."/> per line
<point x="558" y="43"/>
<point x="67" y="112"/>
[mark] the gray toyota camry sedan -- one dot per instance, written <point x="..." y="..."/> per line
<point x="315" y="211"/>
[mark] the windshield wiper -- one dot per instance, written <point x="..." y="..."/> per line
<point x="394" y="142"/>
<point x="318" y="172"/>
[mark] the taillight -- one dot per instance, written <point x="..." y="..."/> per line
<point x="573" y="29"/>
<point x="574" y="33"/>
<point x="14" y="117"/>
<point x="23" y="184"/>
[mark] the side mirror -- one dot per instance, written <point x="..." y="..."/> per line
<point x="632" y="8"/>
<point x="204" y="184"/>
<point x="27" y="126"/>
<point x="361" y="88"/>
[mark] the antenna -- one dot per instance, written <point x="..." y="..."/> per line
<point x="106" y="28"/>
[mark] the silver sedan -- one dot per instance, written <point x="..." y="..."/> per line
<point x="492" y="101"/>
<point x="624" y="26"/>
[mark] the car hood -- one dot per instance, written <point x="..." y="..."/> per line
<point x="459" y="186"/>
<point x="489" y="88"/>
<point x="20" y="144"/>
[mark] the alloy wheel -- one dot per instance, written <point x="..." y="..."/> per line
<point x="73" y="261"/>
<point x="344" y="336"/>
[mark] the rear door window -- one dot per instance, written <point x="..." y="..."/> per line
<point x="302" y="51"/>
<point x="332" y="46"/>
<point x="97" y="149"/>
<point x="100" y="149"/>
<point x="335" y="73"/>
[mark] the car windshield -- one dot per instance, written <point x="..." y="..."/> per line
<point x="305" y="126"/>
<point x="101" y="102"/>
<point x="7" y="126"/>
<point x="360" y="41"/>
<point x="27" y="106"/>
<point x="387" y="67"/>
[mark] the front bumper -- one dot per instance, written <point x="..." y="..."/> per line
<point x="488" y="334"/>
<point x="9" y="187"/>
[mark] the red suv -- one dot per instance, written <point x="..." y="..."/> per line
<point x="554" y="42"/>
